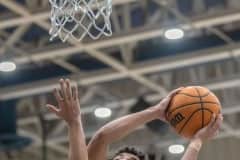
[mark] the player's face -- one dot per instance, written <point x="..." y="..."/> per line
<point x="126" y="156"/>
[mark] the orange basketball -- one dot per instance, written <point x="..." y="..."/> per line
<point x="191" y="109"/>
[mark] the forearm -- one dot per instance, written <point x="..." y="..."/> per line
<point x="77" y="144"/>
<point x="115" y="130"/>
<point x="121" y="127"/>
<point x="192" y="150"/>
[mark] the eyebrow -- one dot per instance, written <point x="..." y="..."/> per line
<point x="133" y="158"/>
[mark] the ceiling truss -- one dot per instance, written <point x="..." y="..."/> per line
<point x="154" y="77"/>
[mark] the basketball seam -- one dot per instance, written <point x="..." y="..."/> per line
<point x="180" y="131"/>
<point x="202" y="127"/>
<point x="201" y="102"/>
<point x="186" y="105"/>
<point x="208" y="110"/>
<point x="205" y="95"/>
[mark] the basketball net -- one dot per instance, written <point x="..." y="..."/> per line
<point x="79" y="18"/>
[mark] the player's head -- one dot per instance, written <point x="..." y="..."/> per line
<point x="129" y="154"/>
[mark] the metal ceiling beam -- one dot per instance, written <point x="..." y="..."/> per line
<point x="228" y="128"/>
<point x="164" y="144"/>
<point x="25" y="13"/>
<point x="14" y="37"/>
<point x="106" y="59"/>
<point x="125" y="52"/>
<point x="124" y="70"/>
<point x="17" y="34"/>
<point x="226" y="111"/>
<point x="37" y="141"/>
<point x="159" y="65"/>
<point x="94" y="53"/>
<point x="137" y="35"/>
<point x="36" y="17"/>
<point x="214" y="84"/>
<point x="186" y="20"/>
<point x="224" y="84"/>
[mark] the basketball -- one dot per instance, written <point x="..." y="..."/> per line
<point x="191" y="109"/>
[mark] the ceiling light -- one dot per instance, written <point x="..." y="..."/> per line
<point x="7" y="66"/>
<point x="103" y="112"/>
<point x="176" y="149"/>
<point x="174" y="33"/>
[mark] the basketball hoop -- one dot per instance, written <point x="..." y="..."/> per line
<point x="79" y="18"/>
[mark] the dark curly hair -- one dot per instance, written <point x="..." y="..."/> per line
<point x="131" y="150"/>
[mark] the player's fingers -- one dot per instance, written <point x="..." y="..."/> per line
<point x="211" y="123"/>
<point x="172" y="93"/>
<point x="52" y="108"/>
<point x="217" y="123"/>
<point x="68" y="89"/>
<point x="57" y="95"/>
<point x="166" y="100"/>
<point x="60" y="99"/>
<point x="63" y="88"/>
<point x="75" y="92"/>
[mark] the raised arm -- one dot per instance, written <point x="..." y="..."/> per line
<point x="119" y="128"/>
<point x="204" y="134"/>
<point x="69" y="110"/>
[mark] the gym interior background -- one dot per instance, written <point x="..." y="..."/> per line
<point x="124" y="73"/>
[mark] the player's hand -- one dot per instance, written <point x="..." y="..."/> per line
<point x="163" y="104"/>
<point x="211" y="130"/>
<point x="68" y="107"/>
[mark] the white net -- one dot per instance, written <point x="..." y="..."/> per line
<point x="79" y="18"/>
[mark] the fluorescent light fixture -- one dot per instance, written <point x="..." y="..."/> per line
<point x="103" y="112"/>
<point x="174" y="33"/>
<point x="176" y="149"/>
<point x="7" y="66"/>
